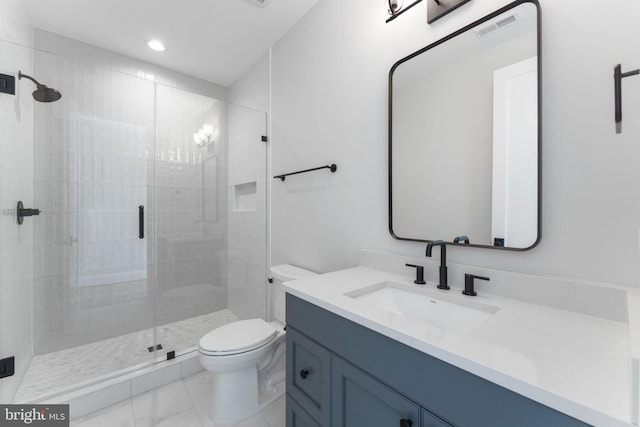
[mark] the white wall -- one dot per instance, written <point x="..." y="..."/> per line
<point x="329" y="104"/>
<point x="252" y="88"/>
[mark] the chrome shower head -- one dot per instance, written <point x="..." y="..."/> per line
<point x="43" y="93"/>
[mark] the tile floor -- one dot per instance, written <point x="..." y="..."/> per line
<point x="183" y="403"/>
<point x="62" y="370"/>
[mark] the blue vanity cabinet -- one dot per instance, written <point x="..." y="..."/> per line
<point x="430" y="420"/>
<point x="368" y="379"/>
<point x="298" y="417"/>
<point x="308" y="375"/>
<point x="360" y="400"/>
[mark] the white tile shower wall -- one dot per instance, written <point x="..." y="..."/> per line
<point x="329" y="104"/>
<point x="14" y="23"/>
<point x="16" y="172"/>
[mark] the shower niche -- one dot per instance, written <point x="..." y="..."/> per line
<point x="245" y="197"/>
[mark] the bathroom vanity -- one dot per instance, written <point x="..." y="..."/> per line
<point x="360" y="355"/>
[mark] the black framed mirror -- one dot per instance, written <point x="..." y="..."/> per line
<point x="465" y="135"/>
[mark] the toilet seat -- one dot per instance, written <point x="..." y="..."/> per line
<point x="237" y="337"/>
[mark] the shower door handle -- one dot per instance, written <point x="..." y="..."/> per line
<point x="141" y="222"/>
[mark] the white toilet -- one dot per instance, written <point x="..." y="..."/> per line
<point x="247" y="357"/>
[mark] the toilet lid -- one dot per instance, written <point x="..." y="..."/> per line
<point x="238" y="337"/>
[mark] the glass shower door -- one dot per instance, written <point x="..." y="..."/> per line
<point x="248" y="296"/>
<point x="111" y="294"/>
<point x="93" y="313"/>
<point x="191" y="222"/>
<point x="204" y="281"/>
<point x="16" y="241"/>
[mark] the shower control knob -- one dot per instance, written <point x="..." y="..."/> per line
<point x="21" y="212"/>
<point x="304" y="374"/>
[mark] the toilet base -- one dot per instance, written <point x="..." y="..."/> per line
<point x="236" y="397"/>
<point x="244" y="383"/>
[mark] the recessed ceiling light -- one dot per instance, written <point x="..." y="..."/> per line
<point x="156" y="45"/>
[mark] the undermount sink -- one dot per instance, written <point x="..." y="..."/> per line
<point x="443" y="311"/>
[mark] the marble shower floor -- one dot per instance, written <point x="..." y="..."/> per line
<point x="59" y="371"/>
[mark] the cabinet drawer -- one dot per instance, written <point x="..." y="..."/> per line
<point x="297" y="417"/>
<point x="360" y="400"/>
<point x="309" y="375"/>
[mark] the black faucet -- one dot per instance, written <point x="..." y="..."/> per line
<point x="443" y="261"/>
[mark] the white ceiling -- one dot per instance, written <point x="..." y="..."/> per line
<point x="216" y="40"/>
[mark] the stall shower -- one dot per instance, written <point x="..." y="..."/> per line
<point x="128" y="260"/>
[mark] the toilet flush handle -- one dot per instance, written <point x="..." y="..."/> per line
<point x="304" y="374"/>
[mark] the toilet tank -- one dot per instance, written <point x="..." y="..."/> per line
<point x="283" y="273"/>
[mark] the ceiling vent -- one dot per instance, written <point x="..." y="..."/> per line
<point x="261" y="3"/>
<point x="497" y="25"/>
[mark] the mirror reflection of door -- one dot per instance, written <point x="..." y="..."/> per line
<point x="515" y="154"/>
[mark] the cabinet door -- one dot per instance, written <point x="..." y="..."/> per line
<point x="430" y="420"/>
<point x="297" y="417"/>
<point x="309" y="375"/>
<point x="359" y="400"/>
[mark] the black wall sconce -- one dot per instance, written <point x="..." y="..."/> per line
<point x="436" y="9"/>
<point x="618" y="75"/>
<point x="396" y="9"/>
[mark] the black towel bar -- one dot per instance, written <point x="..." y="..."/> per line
<point x="333" y="167"/>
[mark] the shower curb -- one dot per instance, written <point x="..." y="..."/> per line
<point x="105" y="393"/>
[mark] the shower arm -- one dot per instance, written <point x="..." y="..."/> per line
<point x="21" y="75"/>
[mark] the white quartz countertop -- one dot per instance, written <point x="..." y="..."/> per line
<point x="571" y="362"/>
